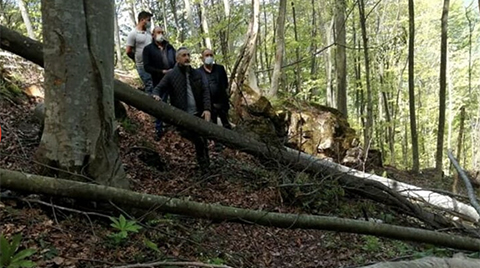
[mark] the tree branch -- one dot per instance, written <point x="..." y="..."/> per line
<point x="65" y="188"/>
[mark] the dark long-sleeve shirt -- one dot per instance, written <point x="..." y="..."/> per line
<point x="175" y="85"/>
<point x="157" y="60"/>
<point x="218" y="85"/>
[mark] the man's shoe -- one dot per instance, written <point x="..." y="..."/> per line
<point x="158" y="136"/>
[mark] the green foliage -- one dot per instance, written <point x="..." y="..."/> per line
<point x="371" y="243"/>
<point x="433" y="251"/>
<point x="10" y="258"/>
<point x="124" y="227"/>
<point x="151" y="245"/>
<point x="128" y="125"/>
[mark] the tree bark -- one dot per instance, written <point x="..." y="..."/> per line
<point x="280" y="45"/>
<point x="367" y="185"/>
<point x="429" y="262"/>
<point x="64" y="188"/>
<point x="411" y="86"/>
<point x="247" y="51"/>
<point x="203" y="20"/>
<point x="79" y="128"/>
<point x="341" y="57"/>
<point x="118" y="44"/>
<point x="330" y="100"/>
<point x="26" y="19"/>
<point x="368" y="131"/>
<point x="298" y="69"/>
<point x="443" y="88"/>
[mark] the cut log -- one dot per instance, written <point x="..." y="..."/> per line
<point x="370" y="186"/>
<point x="430" y="262"/>
<point x="65" y="188"/>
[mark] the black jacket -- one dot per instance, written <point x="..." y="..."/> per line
<point x="153" y="60"/>
<point x="174" y="84"/>
<point x="217" y="81"/>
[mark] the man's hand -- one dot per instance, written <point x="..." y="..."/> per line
<point x="206" y="115"/>
<point x="166" y="71"/>
<point x="156" y="97"/>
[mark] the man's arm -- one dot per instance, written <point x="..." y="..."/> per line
<point x="162" y="87"/>
<point x="130" y="45"/>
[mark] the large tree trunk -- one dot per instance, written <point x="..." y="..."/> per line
<point x="280" y="45"/>
<point x="443" y="89"/>
<point x="247" y="51"/>
<point x="63" y="188"/>
<point x="411" y="86"/>
<point x="79" y="128"/>
<point x="26" y="19"/>
<point x="341" y="57"/>
<point x="367" y="185"/>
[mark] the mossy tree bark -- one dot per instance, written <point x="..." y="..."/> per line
<point x="79" y="116"/>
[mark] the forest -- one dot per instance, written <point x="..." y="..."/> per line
<point x="355" y="138"/>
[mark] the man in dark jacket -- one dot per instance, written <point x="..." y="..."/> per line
<point x="189" y="92"/>
<point x="158" y="59"/>
<point x="218" y="85"/>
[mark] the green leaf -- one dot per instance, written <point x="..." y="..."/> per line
<point x="23" y="254"/>
<point x="151" y="245"/>
<point x="123" y="221"/>
<point x="5" y="250"/>
<point x="15" y="243"/>
<point x="24" y="264"/>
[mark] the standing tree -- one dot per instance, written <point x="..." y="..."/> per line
<point x="280" y="48"/>
<point x="411" y="85"/>
<point x="341" y="57"/>
<point x="443" y="87"/>
<point x="78" y="136"/>
<point x="26" y="18"/>
<point x="246" y="55"/>
<point x="368" y="131"/>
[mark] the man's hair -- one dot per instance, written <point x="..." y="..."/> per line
<point x="144" y="15"/>
<point x="205" y="49"/>
<point x="179" y="50"/>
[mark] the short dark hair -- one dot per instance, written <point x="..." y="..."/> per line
<point x="144" y="15"/>
<point x="179" y="50"/>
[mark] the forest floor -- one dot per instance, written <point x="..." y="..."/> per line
<point x="64" y="235"/>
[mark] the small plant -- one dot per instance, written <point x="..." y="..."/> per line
<point x="124" y="227"/>
<point x="10" y="258"/>
<point x="372" y="243"/>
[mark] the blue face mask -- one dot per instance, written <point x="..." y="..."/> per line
<point x="148" y="25"/>
<point x="209" y="60"/>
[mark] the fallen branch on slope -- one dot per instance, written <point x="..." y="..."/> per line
<point x="468" y="185"/>
<point x="65" y="188"/>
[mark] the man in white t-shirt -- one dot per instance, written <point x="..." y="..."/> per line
<point x="137" y="39"/>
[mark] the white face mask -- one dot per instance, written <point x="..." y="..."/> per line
<point x="209" y="60"/>
<point x="160" y="38"/>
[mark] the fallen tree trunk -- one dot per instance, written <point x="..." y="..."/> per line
<point x="65" y="188"/>
<point x="349" y="178"/>
<point x="430" y="262"/>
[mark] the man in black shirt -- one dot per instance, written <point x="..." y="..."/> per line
<point x="188" y="91"/>
<point x="216" y="77"/>
<point x="158" y="59"/>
